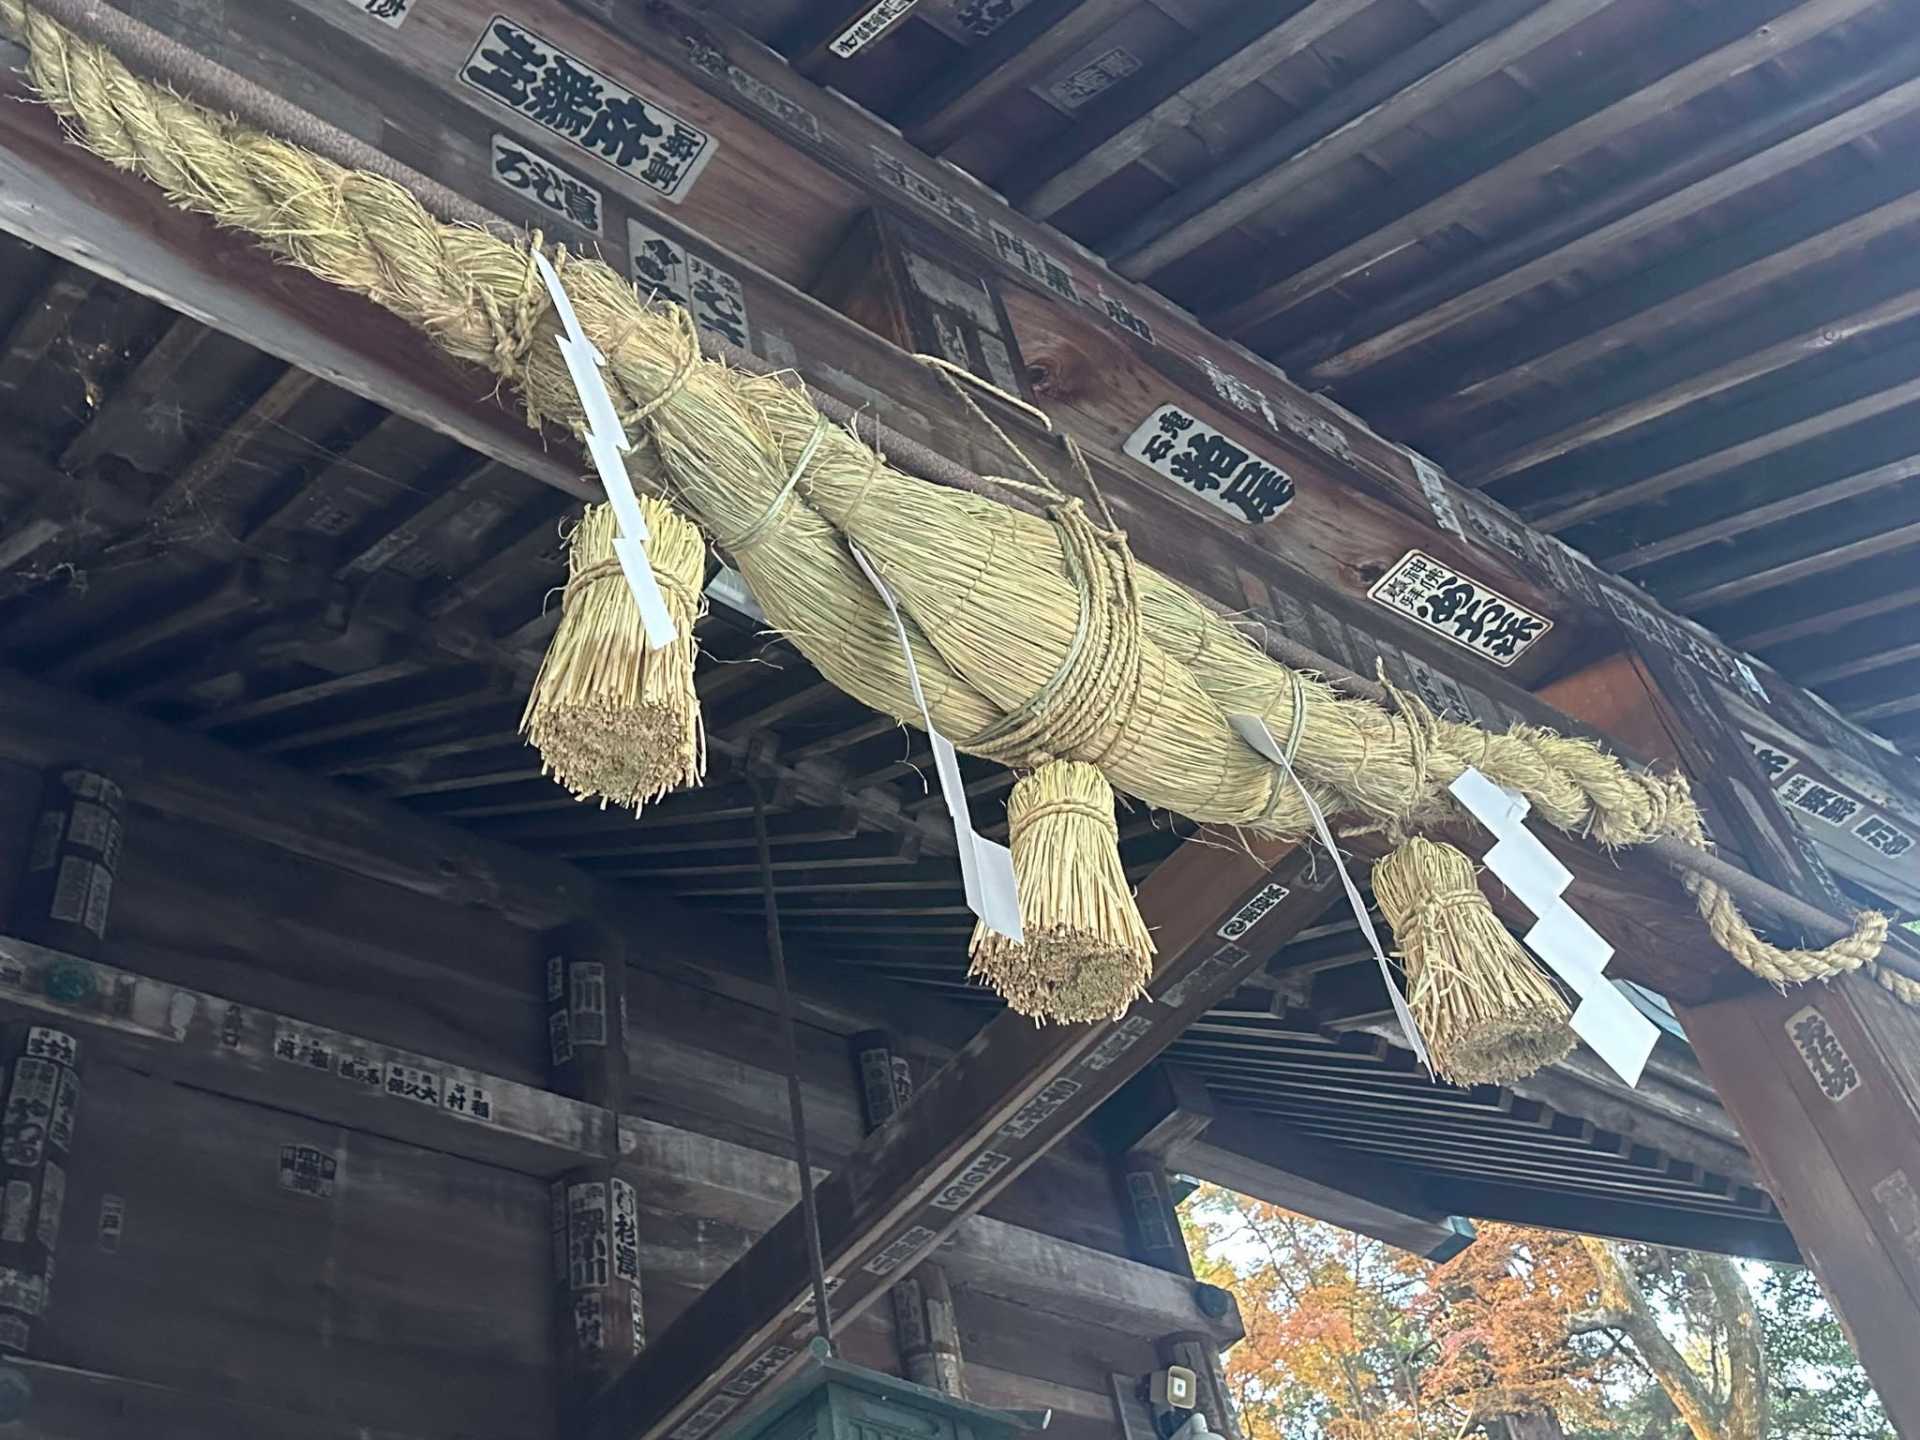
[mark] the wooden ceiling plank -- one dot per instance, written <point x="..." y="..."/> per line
<point x="1825" y="420"/>
<point x="43" y="322"/>
<point x="128" y="404"/>
<point x="1885" y="709"/>
<point x="1694" y="537"/>
<point x="1013" y="57"/>
<point x="1748" y="155"/>
<point x="1827" y="558"/>
<point x="1713" y="279"/>
<point x="1122" y="126"/>
<point x="1539" y="160"/>
<point x="266" y="412"/>
<point x="1825" y="622"/>
<point x="1387" y="99"/>
<point x="1670" y="382"/>
<point x="1863" y="664"/>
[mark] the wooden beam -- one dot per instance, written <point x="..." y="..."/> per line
<point x="1120" y="127"/>
<point x="1762" y="427"/>
<point x="1826" y="1087"/>
<point x="1686" y="375"/>
<point x="1493" y="1198"/>
<point x="1013" y="57"/>
<point x="226" y="282"/>
<point x="1746" y="156"/>
<point x="969" y="1131"/>
<point x="1387" y="99"/>
<point x="1788" y="507"/>
<point x="1559" y="142"/>
<point x="1258" y="1156"/>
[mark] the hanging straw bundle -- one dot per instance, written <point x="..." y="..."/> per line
<point x="1487" y="1013"/>
<point x="611" y="717"/>
<point x="1087" y="953"/>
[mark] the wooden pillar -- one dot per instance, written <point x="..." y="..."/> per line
<point x="36" y="1143"/>
<point x="600" y="1320"/>
<point x="923" y="1316"/>
<point x="1824" y="1082"/>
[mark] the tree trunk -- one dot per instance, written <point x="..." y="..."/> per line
<point x="1530" y="1425"/>
<point x="1744" y="1415"/>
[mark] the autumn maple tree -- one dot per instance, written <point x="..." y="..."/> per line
<point x="1525" y="1335"/>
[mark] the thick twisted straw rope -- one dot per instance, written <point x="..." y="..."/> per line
<point x="478" y="296"/>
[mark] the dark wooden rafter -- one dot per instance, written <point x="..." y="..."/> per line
<point x="1120" y="128"/>
<point x="1016" y="55"/>
<point x="1826" y="552"/>
<point x="1762" y="427"/>
<point x="1724" y="360"/>
<point x="1741" y="522"/>
<point x="1545" y="145"/>
<point x="1715" y="281"/>
<point x="1750" y="154"/>
<point x="1424" y="76"/>
<point x="42" y="323"/>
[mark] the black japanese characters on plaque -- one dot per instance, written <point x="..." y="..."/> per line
<point x="1826" y="1059"/>
<point x="546" y="184"/>
<point x="307" y="1171"/>
<point x="387" y="12"/>
<point x="1881" y="834"/>
<point x="1465" y="611"/>
<point x="583" y="107"/>
<point x="869" y="27"/>
<point x="1774" y="762"/>
<point x="670" y="271"/>
<point x="1807" y="793"/>
<point x="1034" y="261"/>
<point x="1097" y="76"/>
<point x="980" y="18"/>
<point x="1251" y="913"/>
<point x="1118" y="312"/>
<point x="922" y="191"/>
<point x="1224" y="474"/>
<point x="1808" y="796"/>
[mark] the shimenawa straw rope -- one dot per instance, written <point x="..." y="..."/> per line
<point x="988" y="592"/>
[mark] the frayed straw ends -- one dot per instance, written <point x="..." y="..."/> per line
<point x="610" y="717"/>
<point x="1087" y="953"/>
<point x="1487" y="1012"/>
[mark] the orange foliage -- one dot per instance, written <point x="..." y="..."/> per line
<point x="1351" y="1339"/>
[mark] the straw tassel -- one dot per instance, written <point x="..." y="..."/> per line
<point x="1087" y="953"/>
<point x="1486" y="1010"/>
<point x="611" y="718"/>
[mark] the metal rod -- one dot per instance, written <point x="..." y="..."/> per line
<point x="147" y="51"/>
<point x="795" y="1105"/>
